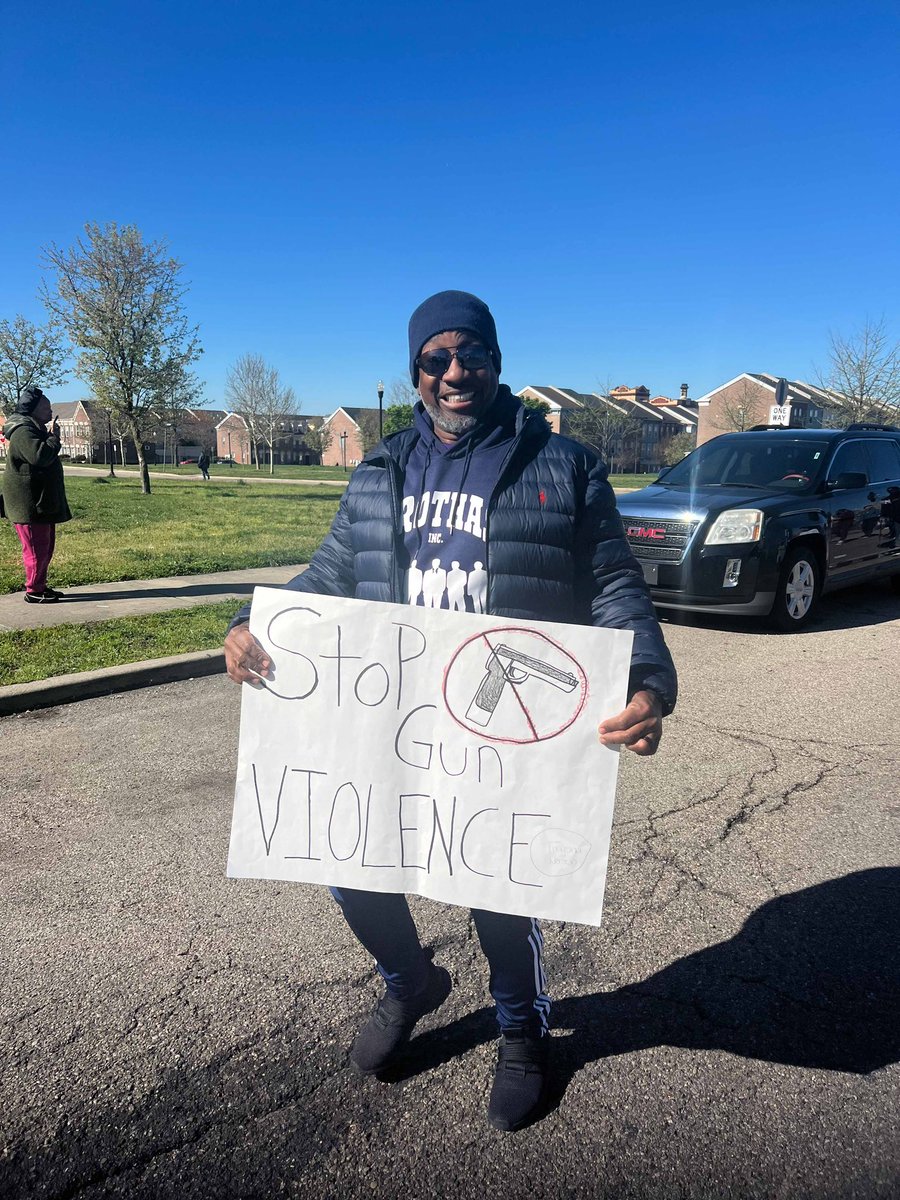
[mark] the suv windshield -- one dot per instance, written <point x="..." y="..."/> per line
<point x="749" y="460"/>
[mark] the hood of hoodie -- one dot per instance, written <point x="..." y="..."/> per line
<point x="16" y="421"/>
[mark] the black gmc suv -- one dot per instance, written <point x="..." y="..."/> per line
<point x="762" y="523"/>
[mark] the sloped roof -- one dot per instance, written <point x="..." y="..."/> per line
<point x="353" y="413"/>
<point x="557" y="398"/>
<point x="797" y="390"/>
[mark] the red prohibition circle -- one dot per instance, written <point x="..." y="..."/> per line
<point x="538" y="737"/>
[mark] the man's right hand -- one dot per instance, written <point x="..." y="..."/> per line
<point x="245" y="659"/>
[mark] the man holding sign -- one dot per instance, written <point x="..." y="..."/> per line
<point x="507" y="518"/>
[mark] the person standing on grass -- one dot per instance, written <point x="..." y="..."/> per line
<point x="481" y="485"/>
<point x="203" y="464"/>
<point x="34" y="494"/>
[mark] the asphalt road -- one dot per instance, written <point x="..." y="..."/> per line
<point x="732" y="1030"/>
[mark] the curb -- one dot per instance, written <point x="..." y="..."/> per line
<point x="85" y="685"/>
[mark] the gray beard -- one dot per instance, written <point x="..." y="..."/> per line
<point x="450" y="422"/>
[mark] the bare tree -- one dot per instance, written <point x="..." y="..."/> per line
<point x="119" y="300"/>
<point x="29" y="354"/>
<point x="254" y="390"/>
<point x="244" y="386"/>
<point x="863" y="376"/>
<point x="610" y="429"/>
<point x="401" y="391"/>
<point x="319" y="439"/>
<point x="743" y="407"/>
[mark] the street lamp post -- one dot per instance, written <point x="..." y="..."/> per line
<point x="109" y="443"/>
<point x="380" y="410"/>
<point x="344" y="448"/>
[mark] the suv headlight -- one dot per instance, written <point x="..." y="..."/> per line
<point x="735" y="525"/>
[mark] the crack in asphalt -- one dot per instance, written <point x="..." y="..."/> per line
<point x="755" y="799"/>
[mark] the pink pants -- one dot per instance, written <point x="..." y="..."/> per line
<point x="38" y="542"/>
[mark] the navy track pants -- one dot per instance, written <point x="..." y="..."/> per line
<point x="513" y="947"/>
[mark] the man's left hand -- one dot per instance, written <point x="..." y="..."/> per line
<point x="638" y="727"/>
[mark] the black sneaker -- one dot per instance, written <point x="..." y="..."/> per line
<point x="54" y="593"/>
<point x="389" y="1028"/>
<point x="520" y="1081"/>
<point x="41" y="597"/>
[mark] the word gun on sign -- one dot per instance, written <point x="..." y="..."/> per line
<point x="505" y="665"/>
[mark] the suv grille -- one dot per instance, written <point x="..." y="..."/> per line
<point x="663" y="541"/>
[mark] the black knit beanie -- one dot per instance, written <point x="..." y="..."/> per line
<point x="450" y="310"/>
<point x="29" y="399"/>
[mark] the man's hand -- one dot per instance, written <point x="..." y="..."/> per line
<point x="638" y="727"/>
<point x="53" y="427"/>
<point x="245" y="659"/>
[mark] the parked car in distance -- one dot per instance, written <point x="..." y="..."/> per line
<point x="762" y="523"/>
<point x="187" y="462"/>
<point x="224" y="462"/>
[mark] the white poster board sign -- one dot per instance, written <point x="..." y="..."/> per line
<point x="404" y="749"/>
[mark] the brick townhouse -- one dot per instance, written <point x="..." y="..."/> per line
<point x="745" y="401"/>
<point x="659" y="419"/>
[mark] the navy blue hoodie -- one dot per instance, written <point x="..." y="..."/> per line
<point x="446" y="490"/>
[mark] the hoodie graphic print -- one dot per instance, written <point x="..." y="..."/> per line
<point x="446" y="492"/>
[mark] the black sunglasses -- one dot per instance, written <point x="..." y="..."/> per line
<point x="437" y="362"/>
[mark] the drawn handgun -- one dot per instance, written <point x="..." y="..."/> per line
<point x="505" y="665"/>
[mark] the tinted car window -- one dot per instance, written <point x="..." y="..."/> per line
<point x="884" y="459"/>
<point x="750" y="461"/>
<point x="849" y="457"/>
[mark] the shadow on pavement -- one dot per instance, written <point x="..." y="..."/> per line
<point x="850" y="608"/>
<point x="811" y="980"/>
<point x="151" y="593"/>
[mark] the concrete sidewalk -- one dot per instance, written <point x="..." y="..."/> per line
<point x="133" y="597"/>
<point x="137" y="597"/>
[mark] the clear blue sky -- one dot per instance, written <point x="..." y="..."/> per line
<point x="652" y="193"/>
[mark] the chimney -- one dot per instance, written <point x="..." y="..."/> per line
<point x="684" y="391"/>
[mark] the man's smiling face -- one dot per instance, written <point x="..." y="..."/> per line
<point x="458" y="400"/>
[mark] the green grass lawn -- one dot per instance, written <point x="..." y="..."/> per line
<point x="29" y="654"/>
<point x="218" y="473"/>
<point x="183" y="528"/>
<point x="179" y="529"/>
<point x="631" y="481"/>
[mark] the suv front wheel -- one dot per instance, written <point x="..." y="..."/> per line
<point x="798" y="590"/>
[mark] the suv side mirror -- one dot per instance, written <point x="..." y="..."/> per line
<point x="663" y="471"/>
<point x="849" y="480"/>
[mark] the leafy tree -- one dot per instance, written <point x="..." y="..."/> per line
<point x="402" y="397"/>
<point x="540" y="406"/>
<point x="119" y="300"/>
<point x="863" y="376"/>
<point x="397" y="417"/>
<point x="677" y="447"/>
<point x="319" y="439"/>
<point x="29" y="354"/>
<point x="254" y="390"/>
<point x="368" y="430"/>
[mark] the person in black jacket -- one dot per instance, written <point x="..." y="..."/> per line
<point x="478" y="507"/>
